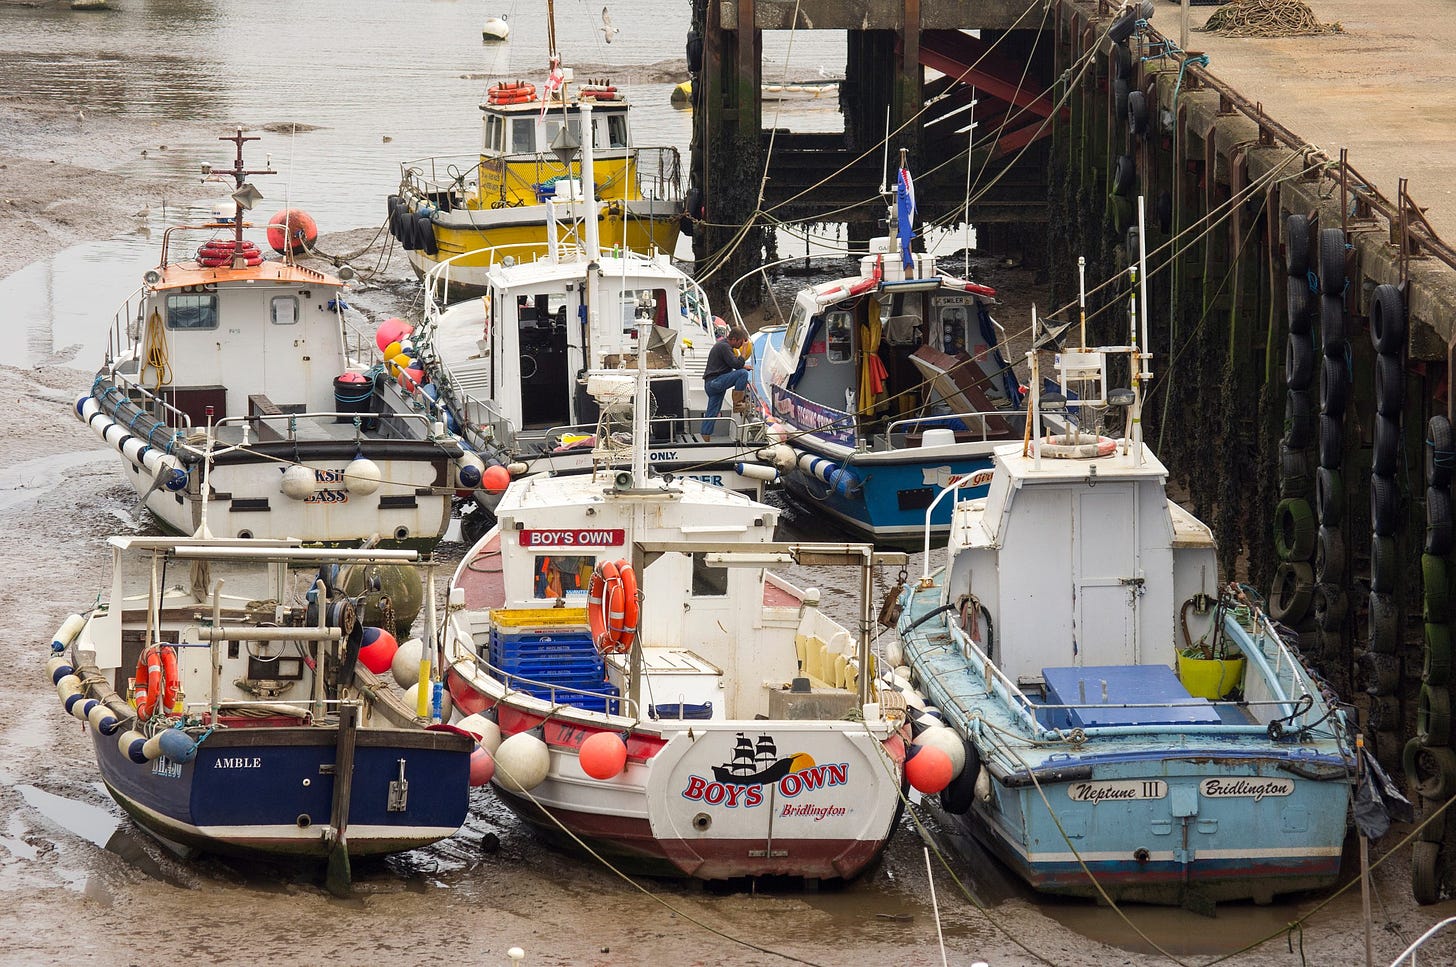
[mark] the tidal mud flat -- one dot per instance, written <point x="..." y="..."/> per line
<point x="79" y="880"/>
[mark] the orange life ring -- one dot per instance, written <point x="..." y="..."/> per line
<point x="156" y="679"/>
<point x="611" y="606"/>
<point x="511" y="92"/>
<point x="601" y="92"/>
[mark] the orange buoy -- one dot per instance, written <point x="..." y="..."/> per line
<point x="603" y="755"/>
<point x="292" y="230"/>
<point x="929" y="769"/>
<point x="495" y="479"/>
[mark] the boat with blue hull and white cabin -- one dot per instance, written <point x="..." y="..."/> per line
<point x="1132" y="730"/>
<point x="884" y="387"/>
<point x="252" y="726"/>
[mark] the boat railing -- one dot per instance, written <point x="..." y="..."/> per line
<point x="1408" y="955"/>
<point x="1285" y="673"/>
<point x="434" y="179"/>
<point x="252" y="421"/>
<point x="897" y="433"/>
<point x="151" y="401"/>
<point x="623" y="704"/>
<point x="653" y="172"/>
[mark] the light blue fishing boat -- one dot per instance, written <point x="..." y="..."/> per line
<point x="1131" y="729"/>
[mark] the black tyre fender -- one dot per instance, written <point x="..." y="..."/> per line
<point x="1293" y="463"/>
<point x="1124" y="175"/>
<point x="1121" y="62"/>
<point x="1434" y="771"/>
<point x="1329" y="497"/>
<point x="1331" y="440"/>
<point x="1137" y="113"/>
<point x="1384" y="566"/>
<point x="1384" y="621"/>
<point x="425" y="233"/>
<point x="1389" y="385"/>
<point x="1387" y="319"/>
<point x="1298" y="305"/>
<point x="1330" y="605"/>
<point x="1298" y="419"/>
<point x="1332" y="261"/>
<point x="1329" y="556"/>
<point x="1440" y="452"/>
<point x="1436" y="656"/>
<point x="1299" y="359"/>
<point x="1334" y="331"/>
<point x="1384" y="505"/>
<point x="1294" y="529"/>
<point x="1380" y="672"/>
<point x="1426" y="873"/>
<point x="1120" y="89"/>
<point x="1433" y="719"/>
<point x="1334" y="385"/>
<point x="1438" y="521"/>
<point x="957" y="797"/>
<point x="1435" y="588"/>
<point x="1293" y="588"/>
<point x="1296" y="247"/>
<point x="1385" y="445"/>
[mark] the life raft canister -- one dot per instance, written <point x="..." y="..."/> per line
<point x="611" y="606"/>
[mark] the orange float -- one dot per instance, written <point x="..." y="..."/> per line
<point x="611" y="607"/>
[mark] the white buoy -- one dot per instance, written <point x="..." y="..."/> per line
<point x="486" y="732"/>
<point x="894" y="653"/>
<point x="129" y="740"/>
<point x="406" y="664"/>
<point x="945" y="739"/>
<point x="299" y="482"/>
<point x="983" y="786"/>
<point x="362" y="476"/>
<point x="902" y="673"/>
<point x="412" y="697"/>
<point x="521" y="762"/>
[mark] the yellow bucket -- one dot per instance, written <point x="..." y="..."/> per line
<point x="1210" y="677"/>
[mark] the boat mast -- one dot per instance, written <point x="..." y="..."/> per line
<point x="239" y="175"/>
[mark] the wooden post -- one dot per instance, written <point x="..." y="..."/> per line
<point x="338" y="878"/>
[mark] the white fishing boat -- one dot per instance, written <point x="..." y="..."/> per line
<point x="229" y="691"/>
<point x="235" y="391"/>
<point x="460" y="208"/>
<point x="513" y="371"/>
<point x="1133" y="728"/>
<point x="662" y="699"/>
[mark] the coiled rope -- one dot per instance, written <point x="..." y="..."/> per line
<point x="1268" y="18"/>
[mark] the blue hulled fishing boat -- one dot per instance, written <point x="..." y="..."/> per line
<point x="884" y="387"/>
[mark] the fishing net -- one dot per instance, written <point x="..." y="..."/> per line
<point x="1268" y="18"/>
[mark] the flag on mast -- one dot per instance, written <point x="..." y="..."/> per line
<point x="905" y="215"/>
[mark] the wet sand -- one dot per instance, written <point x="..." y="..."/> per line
<point x="79" y="882"/>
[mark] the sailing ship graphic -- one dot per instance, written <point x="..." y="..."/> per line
<point x="754" y="763"/>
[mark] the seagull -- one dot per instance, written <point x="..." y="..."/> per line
<point x="80" y="118"/>
<point x="608" y="31"/>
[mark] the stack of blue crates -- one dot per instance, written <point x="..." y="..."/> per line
<point x="564" y="657"/>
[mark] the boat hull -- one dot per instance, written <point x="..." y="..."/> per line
<point x="894" y="491"/>
<point x="1141" y="851"/>
<point x="268" y="792"/>
<point x="828" y="816"/>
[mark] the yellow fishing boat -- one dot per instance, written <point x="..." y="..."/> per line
<point x="448" y="207"/>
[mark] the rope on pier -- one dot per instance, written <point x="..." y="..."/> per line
<point x="1268" y="18"/>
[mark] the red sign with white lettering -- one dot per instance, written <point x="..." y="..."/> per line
<point x="585" y="537"/>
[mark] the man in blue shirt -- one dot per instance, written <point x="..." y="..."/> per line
<point x="725" y="370"/>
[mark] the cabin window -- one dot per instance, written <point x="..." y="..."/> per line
<point x="953" y="329"/>
<point x="798" y="325"/>
<point x="191" y="312"/>
<point x="640" y="305"/>
<point x="283" y="310"/>
<point x="839" y="336"/>
<point x="616" y="130"/>
<point x="553" y="127"/>
<point x="558" y="575"/>
<point x="523" y="135"/>
<point x="495" y="134"/>
<point x="708" y="582"/>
